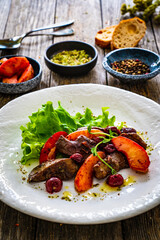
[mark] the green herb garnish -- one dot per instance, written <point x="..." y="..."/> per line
<point x="105" y="140"/>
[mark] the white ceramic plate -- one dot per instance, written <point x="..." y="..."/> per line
<point x="136" y="198"/>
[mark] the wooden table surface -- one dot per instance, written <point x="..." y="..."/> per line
<point x="19" y="16"/>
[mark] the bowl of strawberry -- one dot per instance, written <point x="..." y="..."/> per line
<point x="19" y="74"/>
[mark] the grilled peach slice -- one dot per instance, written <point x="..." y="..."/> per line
<point x="84" y="178"/>
<point x="74" y="135"/>
<point x="136" y="155"/>
<point x="14" y="65"/>
<point x="10" y="80"/>
<point x="27" y="74"/>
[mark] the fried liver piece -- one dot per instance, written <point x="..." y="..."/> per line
<point x="64" y="168"/>
<point x="136" y="138"/>
<point x="116" y="160"/>
<point x="82" y="145"/>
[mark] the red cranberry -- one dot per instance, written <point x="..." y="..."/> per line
<point x="77" y="157"/>
<point x="53" y="184"/>
<point x="113" y="129"/>
<point x="128" y="130"/>
<point x="115" y="180"/>
<point x="109" y="148"/>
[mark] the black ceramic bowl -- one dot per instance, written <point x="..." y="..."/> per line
<point x="18" y="88"/>
<point x="150" y="58"/>
<point x="70" y="70"/>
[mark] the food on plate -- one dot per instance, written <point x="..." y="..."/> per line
<point x="115" y="180"/>
<point x="72" y="147"/>
<point x="115" y="159"/>
<point x="54" y="185"/>
<point x="50" y="144"/>
<point x="136" y="155"/>
<point x="71" y="57"/>
<point x="128" y="33"/>
<point x="48" y="120"/>
<point x="135" y="137"/>
<point x="84" y="177"/>
<point x="63" y="168"/>
<point x="80" y="147"/>
<point x="84" y="132"/>
<point x="15" y="70"/>
<point x="131" y="66"/>
<point x="103" y="37"/>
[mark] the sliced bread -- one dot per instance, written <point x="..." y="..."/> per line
<point x="128" y="33"/>
<point x="104" y="36"/>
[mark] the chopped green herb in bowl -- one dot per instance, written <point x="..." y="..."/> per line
<point x="71" y="58"/>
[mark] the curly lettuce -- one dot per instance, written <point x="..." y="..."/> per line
<point x="47" y="121"/>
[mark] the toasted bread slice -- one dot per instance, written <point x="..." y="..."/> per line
<point x="111" y="46"/>
<point x="128" y="33"/>
<point x="104" y="36"/>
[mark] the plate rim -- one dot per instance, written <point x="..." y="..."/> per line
<point x="143" y="209"/>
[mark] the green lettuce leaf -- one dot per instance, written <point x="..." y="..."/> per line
<point x="88" y="119"/>
<point x="47" y="121"/>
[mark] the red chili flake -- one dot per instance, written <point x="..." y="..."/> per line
<point x="17" y="224"/>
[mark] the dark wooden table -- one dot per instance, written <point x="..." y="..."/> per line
<point x="19" y="16"/>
